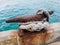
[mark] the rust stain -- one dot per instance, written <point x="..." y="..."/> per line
<point x="34" y="38"/>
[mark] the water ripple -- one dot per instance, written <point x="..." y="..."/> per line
<point x="13" y="8"/>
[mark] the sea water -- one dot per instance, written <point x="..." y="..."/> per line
<point x="13" y="8"/>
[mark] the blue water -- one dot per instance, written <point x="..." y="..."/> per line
<point x="13" y="8"/>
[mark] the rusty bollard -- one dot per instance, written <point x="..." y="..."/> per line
<point x="34" y="38"/>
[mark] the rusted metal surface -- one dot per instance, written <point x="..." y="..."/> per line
<point x="43" y="37"/>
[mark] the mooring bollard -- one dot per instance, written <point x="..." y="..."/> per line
<point x="34" y="38"/>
